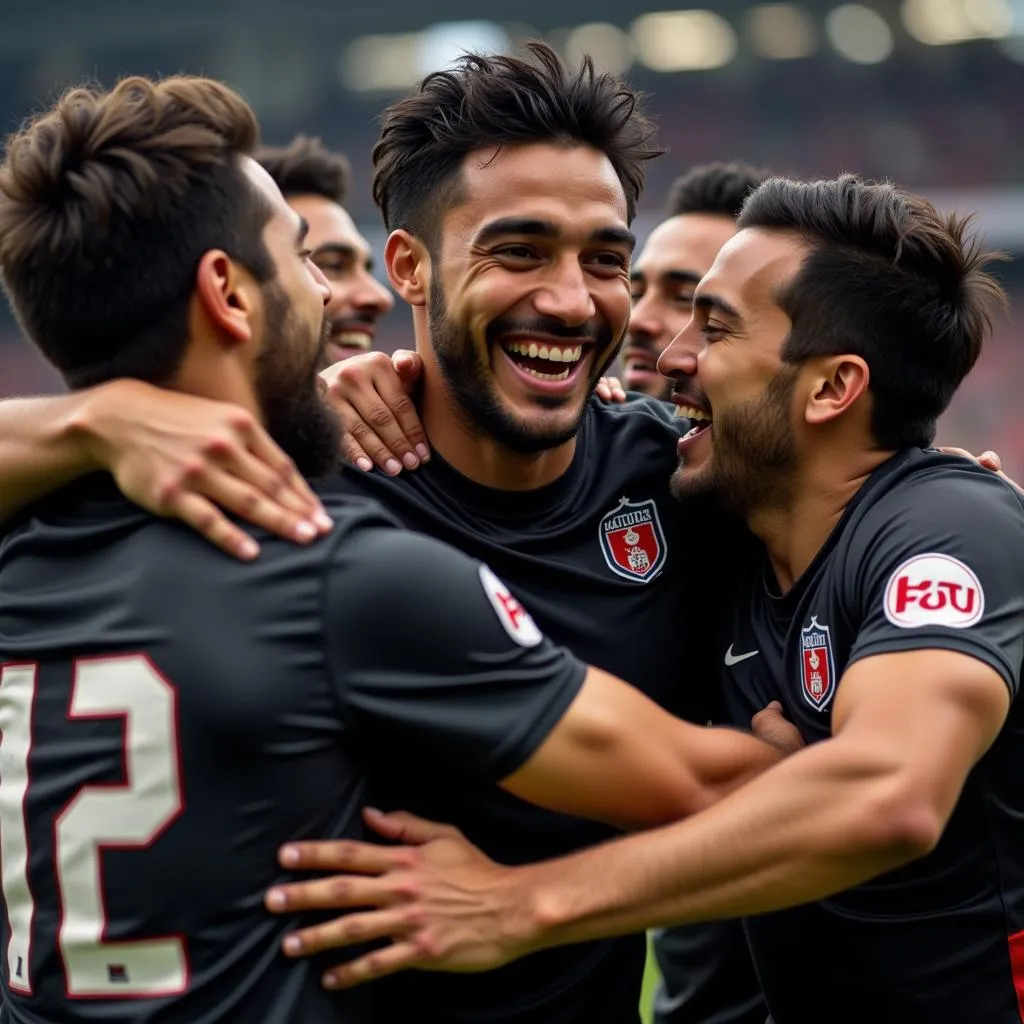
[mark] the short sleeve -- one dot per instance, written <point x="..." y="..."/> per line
<point x="430" y="650"/>
<point x="941" y="565"/>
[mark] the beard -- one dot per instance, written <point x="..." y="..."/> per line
<point x="471" y="382"/>
<point x="288" y="386"/>
<point x="754" y="452"/>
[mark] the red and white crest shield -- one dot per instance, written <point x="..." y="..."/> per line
<point x="817" y="664"/>
<point x="632" y="540"/>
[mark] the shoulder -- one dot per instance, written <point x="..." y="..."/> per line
<point x="640" y="434"/>
<point x="943" y="529"/>
<point x="640" y="414"/>
<point x="375" y="560"/>
<point x="932" y="493"/>
<point x="356" y="504"/>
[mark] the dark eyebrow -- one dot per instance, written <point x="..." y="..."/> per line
<point x="713" y="302"/>
<point x="335" y="249"/>
<point x="670" y="276"/>
<point x="516" y="226"/>
<point x="615" y="236"/>
<point x="303" y="230"/>
<point x="348" y="252"/>
<point x="547" y="229"/>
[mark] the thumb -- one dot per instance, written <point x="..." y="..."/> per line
<point x="408" y="365"/>
<point x="990" y="460"/>
<point x="403" y="827"/>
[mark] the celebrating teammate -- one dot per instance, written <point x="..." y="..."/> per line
<point x="168" y="716"/>
<point x="885" y="610"/>
<point x="315" y="181"/>
<point x="702" y="209"/>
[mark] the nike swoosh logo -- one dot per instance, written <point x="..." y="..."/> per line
<point x="735" y="659"/>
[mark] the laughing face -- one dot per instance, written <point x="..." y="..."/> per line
<point x="678" y="253"/>
<point x="358" y="300"/>
<point x="742" y="400"/>
<point x="529" y="294"/>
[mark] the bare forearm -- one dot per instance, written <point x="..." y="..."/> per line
<point x="42" y="447"/>
<point x="730" y="759"/>
<point x="810" y="828"/>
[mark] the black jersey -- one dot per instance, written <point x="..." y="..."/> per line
<point x="169" y="717"/>
<point x="610" y="565"/>
<point x="930" y="554"/>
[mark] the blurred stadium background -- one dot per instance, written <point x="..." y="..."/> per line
<point x="929" y="93"/>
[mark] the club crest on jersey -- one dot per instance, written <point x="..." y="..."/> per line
<point x="817" y="665"/>
<point x="632" y="540"/>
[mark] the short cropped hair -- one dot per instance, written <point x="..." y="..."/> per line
<point x="307" y="167"/>
<point x="108" y="202"/>
<point x="501" y="101"/>
<point x="890" y="279"/>
<point x="717" y="188"/>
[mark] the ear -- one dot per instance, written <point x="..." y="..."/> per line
<point x="836" y="385"/>
<point x="408" y="266"/>
<point x="228" y="297"/>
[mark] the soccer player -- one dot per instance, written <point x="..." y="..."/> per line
<point x="314" y="182"/>
<point x="884" y="609"/>
<point x="519" y="283"/>
<point x="703" y="206"/>
<point x="168" y="715"/>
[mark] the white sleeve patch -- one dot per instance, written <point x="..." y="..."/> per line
<point x="511" y="614"/>
<point x="934" y="590"/>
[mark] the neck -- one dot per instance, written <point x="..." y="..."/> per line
<point x="220" y="379"/>
<point x="821" y="491"/>
<point x="479" y="456"/>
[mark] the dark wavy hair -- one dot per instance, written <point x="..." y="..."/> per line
<point x="890" y="279"/>
<point x="307" y="167"/>
<point x="107" y="204"/>
<point x="497" y="101"/>
<point x="720" y="188"/>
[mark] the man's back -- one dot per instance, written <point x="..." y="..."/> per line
<point x="170" y="717"/>
<point x="167" y="721"/>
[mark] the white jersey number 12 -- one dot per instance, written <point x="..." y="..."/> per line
<point x="129" y="815"/>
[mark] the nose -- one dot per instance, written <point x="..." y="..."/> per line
<point x="565" y="294"/>
<point x="323" y="285"/>
<point x="643" y="318"/>
<point x="680" y="358"/>
<point x="371" y="296"/>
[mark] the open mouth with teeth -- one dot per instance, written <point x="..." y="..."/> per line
<point x="545" y="362"/>
<point x="353" y="339"/>
<point x="699" y="418"/>
<point x="638" y="361"/>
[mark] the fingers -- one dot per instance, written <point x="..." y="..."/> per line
<point x="409" y="367"/>
<point x="206" y="519"/>
<point x="609" y="389"/>
<point x="407" y="828"/>
<point x="350" y="930"/>
<point x="618" y="391"/>
<point x="338" y="892"/>
<point x="372" y="402"/>
<point x="246" y="488"/>
<point x="379" y="964"/>
<point x="283" y="482"/>
<point x="990" y="460"/>
<point x="346" y="855"/>
<point x="772" y="727"/>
